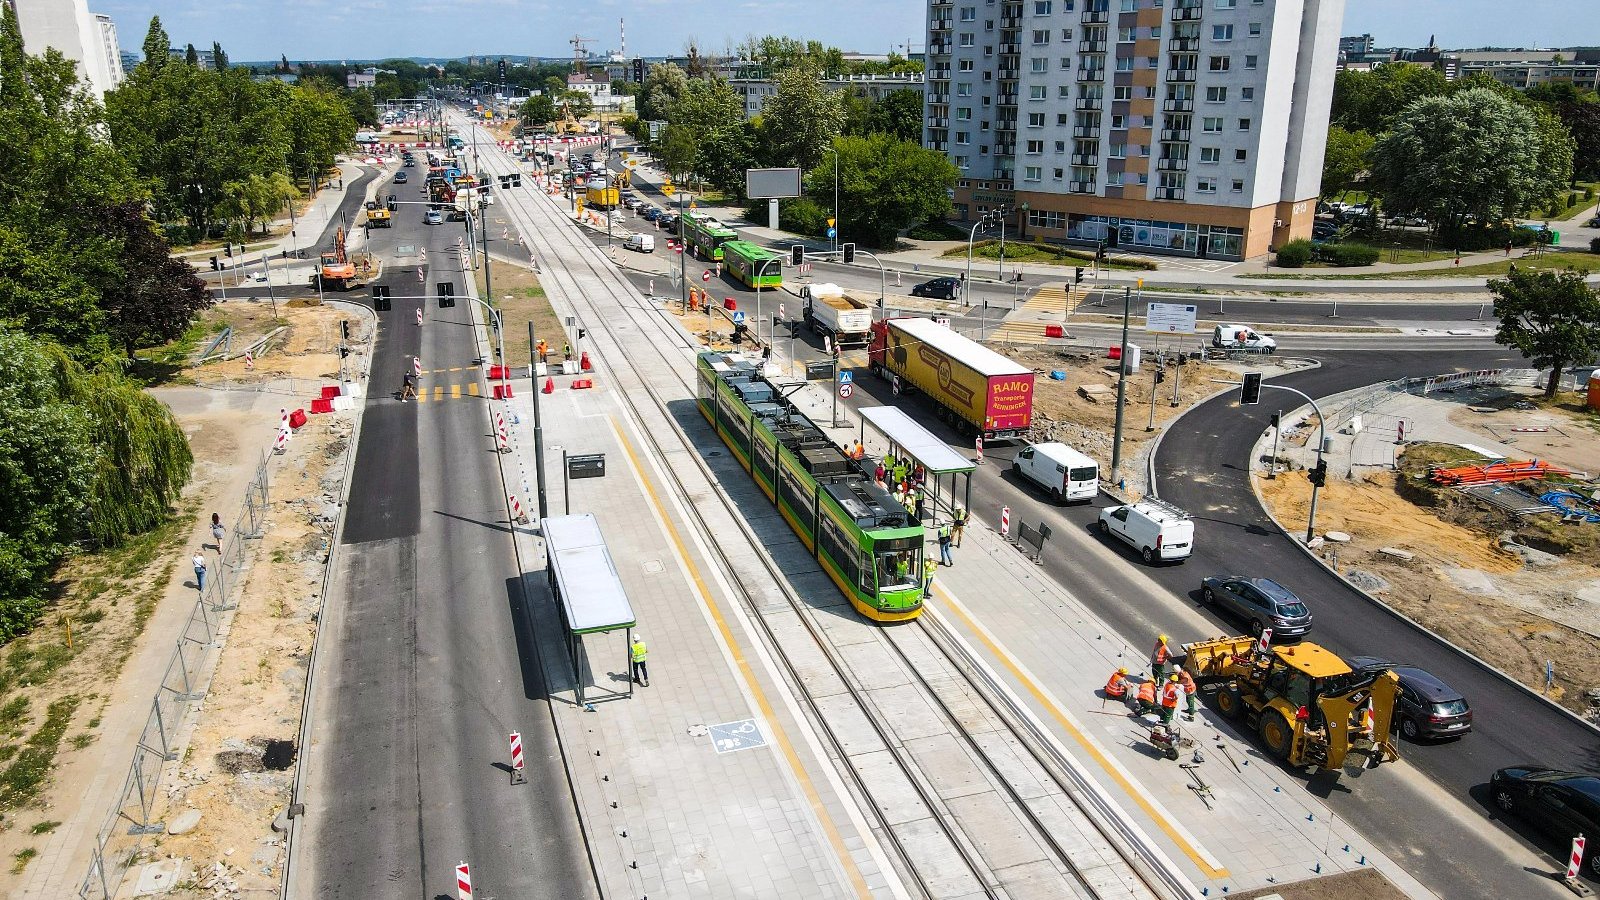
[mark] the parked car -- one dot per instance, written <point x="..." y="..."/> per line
<point x="651" y="213"/>
<point x="1427" y="707"/>
<point x="643" y="243"/>
<point x="668" y="220"/>
<point x="1410" y="221"/>
<point x="1261" y="602"/>
<point x="1160" y="531"/>
<point x="433" y="218"/>
<point x="400" y="177"/>
<point x="1561" y="804"/>
<point x="1593" y="223"/>
<point x="939" y="289"/>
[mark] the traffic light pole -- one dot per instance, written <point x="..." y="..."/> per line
<point x="1321" y="472"/>
<point x="1122" y="389"/>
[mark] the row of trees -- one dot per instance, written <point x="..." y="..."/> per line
<point x="1458" y="150"/>
<point x="214" y="144"/>
<point x="887" y="181"/>
<point x="89" y="458"/>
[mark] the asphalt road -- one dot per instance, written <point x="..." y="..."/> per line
<point x="427" y="663"/>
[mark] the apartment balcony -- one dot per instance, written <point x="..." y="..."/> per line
<point x="939" y="146"/>
<point x="939" y="48"/>
<point x="1010" y="49"/>
<point x="1174" y="134"/>
<point x="1172" y="164"/>
<point x="939" y="122"/>
<point x="1091" y="46"/>
<point x="1088" y="103"/>
<point x="939" y="3"/>
<point x="941" y="24"/>
<point x="1010" y="22"/>
<point x="1177" y="106"/>
<point x="1081" y="187"/>
<point x="1090" y="132"/>
<point x="1184" y="45"/>
<point x="1005" y="149"/>
<point x="939" y="73"/>
<point x="1181" y="76"/>
<point x="1085" y="159"/>
<point x="1186" y="14"/>
<point x="1097" y="17"/>
<point x="1006" y="99"/>
<point x="1169" y="193"/>
<point x="1091" y="74"/>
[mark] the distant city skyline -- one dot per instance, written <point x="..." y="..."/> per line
<point x="368" y="29"/>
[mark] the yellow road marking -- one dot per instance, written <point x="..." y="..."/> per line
<point x="746" y="671"/>
<point x="438" y="392"/>
<point x="472" y="388"/>
<point x="1133" y="791"/>
<point x="455" y="392"/>
<point x="422" y="396"/>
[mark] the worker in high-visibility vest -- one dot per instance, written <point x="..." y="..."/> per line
<point x="1117" y="685"/>
<point x="544" y="349"/>
<point x="1190" y="691"/>
<point x="1159" y="654"/>
<point x="1146" y="697"/>
<point x="929" y="566"/>
<point x="1169" y="699"/>
<point x="636" y="654"/>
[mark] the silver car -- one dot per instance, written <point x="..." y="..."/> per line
<point x="1261" y="602"/>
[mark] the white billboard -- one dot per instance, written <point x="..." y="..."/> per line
<point x="1170" y="318"/>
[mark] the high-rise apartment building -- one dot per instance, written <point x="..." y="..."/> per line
<point x="1193" y="127"/>
<point x="88" y="39"/>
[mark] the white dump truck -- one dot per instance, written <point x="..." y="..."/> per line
<point x="832" y="312"/>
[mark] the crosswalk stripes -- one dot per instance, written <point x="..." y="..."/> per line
<point x="455" y="391"/>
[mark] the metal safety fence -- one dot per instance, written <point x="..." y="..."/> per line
<point x="135" y="812"/>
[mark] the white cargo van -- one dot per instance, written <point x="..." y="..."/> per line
<point x="1067" y="474"/>
<point x="1160" y="531"/>
<point x="1241" y="337"/>
<point x="643" y="243"/>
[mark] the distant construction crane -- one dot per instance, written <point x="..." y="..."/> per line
<point x="580" y="52"/>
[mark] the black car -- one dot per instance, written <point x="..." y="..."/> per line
<point x="938" y="289"/>
<point x="1561" y="804"/>
<point x="1261" y="602"/>
<point x="400" y="177"/>
<point x="1427" y="707"/>
<point x="410" y="162"/>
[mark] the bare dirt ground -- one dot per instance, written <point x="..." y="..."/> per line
<point x="1365" y="884"/>
<point x="1572" y="438"/>
<point x="306" y="348"/>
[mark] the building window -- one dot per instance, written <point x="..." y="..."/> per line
<point x="1155" y="31"/>
<point x="1255" y="29"/>
<point x="1238" y="185"/>
<point x="1142" y="150"/>
<point x="1061" y="146"/>
<point x="1061" y="119"/>
<point x="1244" y="124"/>
<point x="1119" y="121"/>
<point x="1206" y="185"/>
<point x="1066" y="35"/>
<point x="987" y="101"/>
<point x="968" y="39"/>
<point x="1113" y="179"/>
<point x="1041" y="36"/>
<point x="1064" y="91"/>
<point x="961" y="162"/>
<point x="1121" y="92"/>
<point x="1036" y="146"/>
<point x="1039" y="65"/>
<point x="1066" y="63"/>
<point x="1241" y="155"/>
<point x="1057" y="173"/>
<point x="1124" y="64"/>
<point x="963" y="89"/>
<point x="1247" y="94"/>
<point x="1125" y="34"/>
<point x="1035" y="120"/>
<point x="1216" y="94"/>
<point x="1227" y="4"/>
<point x="1041" y="7"/>
<point x="1209" y="125"/>
<point x="1220" y="63"/>
<point x="1250" y="61"/>
<point x="965" y="66"/>
<point x="1117" y="150"/>
<point x="964" y="112"/>
<point x="969" y="14"/>
<point x="1210" y="154"/>
<point x="1222" y="32"/>
<point x="1032" y="173"/>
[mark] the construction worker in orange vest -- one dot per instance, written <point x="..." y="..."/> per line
<point x="1169" y="699"/>
<point x="1147" y="697"/>
<point x="1186" y="681"/>
<point x="1117" y="685"/>
<point x="1158" y="658"/>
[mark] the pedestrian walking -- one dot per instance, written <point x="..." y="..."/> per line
<point x="1190" y="690"/>
<point x="1169" y="699"/>
<point x="928" y="568"/>
<point x="637" y="654"/>
<point x="200" y="569"/>
<point x="1508" y="248"/>
<point x="408" y="387"/>
<point x="944" y="544"/>
<point x="217" y="531"/>
<point x="959" y="525"/>
<point x="1159" y="654"/>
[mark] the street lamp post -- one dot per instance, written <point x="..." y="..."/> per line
<point x="1003" y="213"/>
<point x="761" y="272"/>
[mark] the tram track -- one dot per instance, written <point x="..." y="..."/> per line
<point x="966" y="701"/>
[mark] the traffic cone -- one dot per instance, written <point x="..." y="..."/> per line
<point x="583" y="362"/>
<point x="549" y="385"/>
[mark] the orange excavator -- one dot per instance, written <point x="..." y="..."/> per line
<point x="336" y="271"/>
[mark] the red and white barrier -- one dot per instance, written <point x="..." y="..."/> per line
<point x="517" y="515"/>
<point x="502" y="437"/>
<point x="516" y="751"/>
<point x="980" y="449"/>
<point x="1576" y="859"/>
<point x="1005" y="521"/>
<point x="1264" y="642"/>
<point x="416" y="366"/>
<point x="249" y="360"/>
<point x="419" y="316"/>
<point x="463" y="882"/>
<point x="281" y="443"/>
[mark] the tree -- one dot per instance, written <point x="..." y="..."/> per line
<point x="158" y="47"/>
<point x="578" y="103"/>
<point x="1582" y="119"/>
<point x="677" y="151"/>
<point x="537" y="111"/>
<point x="1553" y="318"/>
<point x="191" y="56"/>
<point x="218" y="57"/>
<point x="157" y="296"/>
<point x="724" y="155"/>
<point x="1372" y="101"/>
<point x="898" y="114"/>
<point x="1349" y="154"/>
<point x="663" y="84"/>
<point x="885" y="185"/>
<point x="1474" y="153"/>
<point x="801" y="119"/>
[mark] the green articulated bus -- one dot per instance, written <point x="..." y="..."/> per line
<point x="753" y="266"/>
<point x="707" y="234"/>
<point x="863" y="539"/>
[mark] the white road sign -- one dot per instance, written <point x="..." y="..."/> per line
<point x="1170" y="318"/>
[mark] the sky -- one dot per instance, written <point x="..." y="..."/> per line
<point x="374" y="29"/>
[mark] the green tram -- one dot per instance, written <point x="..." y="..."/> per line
<point x="860" y="535"/>
<point x="753" y="266"/>
<point x="707" y="234"/>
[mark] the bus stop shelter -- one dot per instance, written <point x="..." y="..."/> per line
<point x="584" y="581"/>
<point x="948" y="473"/>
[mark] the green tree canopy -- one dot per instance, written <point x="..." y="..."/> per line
<point x="664" y="83"/>
<point x="1474" y="153"/>
<point x="1373" y="101"/>
<point x="537" y="111"/>
<point x="899" y="114"/>
<point x="801" y="119"/>
<point x="1553" y="318"/>
<point x="885" y="185"/>
<point x="1349" y="154"/>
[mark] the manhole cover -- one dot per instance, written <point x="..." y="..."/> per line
<point x="278" y="756"/>
<point x="653" y="566"/>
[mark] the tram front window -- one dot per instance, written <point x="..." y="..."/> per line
<point x="897" y="569"/>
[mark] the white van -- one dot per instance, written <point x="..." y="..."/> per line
<point x="644" y="243"/>
<point x="1160" y="531"/>
<point x="1241" y="337"/>
<point x="1067" y="474"/>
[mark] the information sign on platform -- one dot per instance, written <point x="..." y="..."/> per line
<point x="1170" y="318"/>
<point x="819" y="371"/>
<point x="733" y="736"/>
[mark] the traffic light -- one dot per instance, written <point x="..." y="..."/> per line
<point x="344" y="328"/>
<point x="797" y="255"/>
<point x="583" y="333"/>
<point x="343" y="351"/>
<point x="1078" y="275"/>
<point x="1250" y="391"/>
<point x="215" y="266"/>
<point x="447" y="294"/>
<point x="228" y="249"/>
<point x="1277" y="420"/>
<point x="1318" y="475"/>
<point x="738" y="333"/>
<point x="849" y="253"/>
<point x="380" y="298"/>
